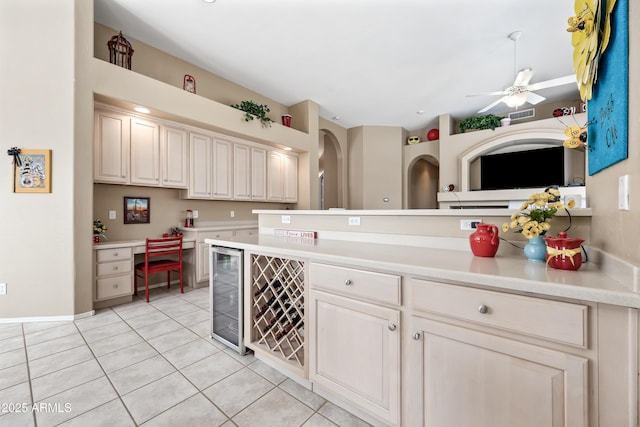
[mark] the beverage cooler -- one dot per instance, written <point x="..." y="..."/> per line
<point x="225" y="289"/>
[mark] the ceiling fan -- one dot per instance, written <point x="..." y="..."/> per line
<point x="521" y="91"/>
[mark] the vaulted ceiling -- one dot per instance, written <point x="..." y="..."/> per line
<point x="365" y="62"/>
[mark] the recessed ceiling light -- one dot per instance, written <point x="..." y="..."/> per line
<point x="142" y="110"/>
<point x="209" y="1"/>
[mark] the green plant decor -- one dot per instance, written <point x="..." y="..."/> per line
<point x="253" y="110"/>
<point x="488" y="121"/>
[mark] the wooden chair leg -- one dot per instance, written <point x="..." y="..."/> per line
<point x="146" y="285"/>
<point x="181" y="286"/>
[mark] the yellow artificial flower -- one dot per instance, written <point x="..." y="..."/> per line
<point x="523" y="220"/>
<point x="571" y="204"/>
<point x="505" y="227"/>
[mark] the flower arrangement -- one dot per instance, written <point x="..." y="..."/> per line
<point x="99" y="228"/>
<point x="534" y="217"/>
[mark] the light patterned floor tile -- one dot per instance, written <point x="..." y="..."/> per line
<point x="79" y="399"/>
<point x="198" y="315"/>
<point x="211" y="370"/>
<point x="126" y="357"/>
<point x="64" y="379"/>
<point x="135" y="309"/>
<point x="152" y="399"/>
<point x="203" y="328"/>
<point x="32" y="327"/>
<point x="193" y="412"/>
<point x="147" y="319"/>
<point x="173" y="339"/>
<point x="55" y="346"/>
<point x="276" y="406"/>
<point x="303" y="394"/>
<point x="142" y="373"/>
<point x="18" y="419"/>
<point x="14" y="375"/>
<point x="50" y="334"/>
<point x="268" y="372"/>
<point x="12" y="358"/>
<point x="61" y="360"/>
<point x="340" y="416"/>
<point x="238" y="391"/>
<point x="318" y="420"/>
<point x="190" y="353"/>
<point x="10" y="344"/>
<point x="158" y="329"/>
<point x="106" y="331"/>
<point x="103" y="317"/>
<point x="10" y="330"/>
<point x="111" y="414"/>
<point x="19" y="394"/>
<point x="115" y="343"/>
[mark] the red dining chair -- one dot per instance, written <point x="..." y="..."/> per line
<point x="155" y="248"/>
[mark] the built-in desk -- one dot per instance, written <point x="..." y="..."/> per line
<point x="114" y="269"/>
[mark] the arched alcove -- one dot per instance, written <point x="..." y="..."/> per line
<point x="422" y="183"/>
<point x="330" y="173"/>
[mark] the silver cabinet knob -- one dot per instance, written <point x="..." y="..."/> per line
<point x="392" y="326"/>
<point x="416" y="336"/>
<point x="348" y="282"/>
<point x="483" y="309"/>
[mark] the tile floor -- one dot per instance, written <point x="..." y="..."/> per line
<point x="146" y="364"/>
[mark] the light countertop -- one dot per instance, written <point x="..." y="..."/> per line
<point x="508" y="272"/>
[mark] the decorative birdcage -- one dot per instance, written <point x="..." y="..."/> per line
<point x="120" y="51"/>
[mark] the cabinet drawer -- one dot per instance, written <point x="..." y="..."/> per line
<point x="223" y="234"/>
<point x="118" y="254"/>
<point x="553" y="320"/>
<point x="112" y="287"/>
<point x="367" y="285"/>
<point x="107" y="268"/>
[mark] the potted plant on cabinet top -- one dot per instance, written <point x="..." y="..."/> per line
<point x="253" y="110"/>
<point x="488" y="121"/>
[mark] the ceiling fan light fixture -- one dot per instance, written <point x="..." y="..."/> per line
<point x="516" y="100"/>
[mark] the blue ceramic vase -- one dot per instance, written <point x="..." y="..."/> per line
<point x="536" y="249"/>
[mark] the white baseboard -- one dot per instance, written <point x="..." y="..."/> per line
<point x="68" y="318"/>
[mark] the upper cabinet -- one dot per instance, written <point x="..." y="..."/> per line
<point x="282" y="178"/>
<point x="136" y="151"/>
<point x="133" y="150"/>
<point x="111" y="148"/>
<point x="145" y="152"/>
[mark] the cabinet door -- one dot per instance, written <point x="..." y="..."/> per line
<point x="275" y="187"/>
<point x="258" y="173"/>
<point x="222" y="178"/>
<point x="290" y="178"/>
<point x="145" y="152"/>
<point x="199" y="166"/>
<point x="241" y="172"/>
<point x="202" y="263"/>
<point x="355" y="352"/>
<point x="174" y="152"/>
<point x="111" y="147"/>
<point x="470" y="378"/>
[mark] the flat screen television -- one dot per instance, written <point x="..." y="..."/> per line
<point x="523" y="169"/>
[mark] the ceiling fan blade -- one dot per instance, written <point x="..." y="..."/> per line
<point x="554" y="82"/>
<point x="493" y="104"/>
<point x="524" y="77"/>
<point x="499" y="92"/>
<point x="534" y="98"/>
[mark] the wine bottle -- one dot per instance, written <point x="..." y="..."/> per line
<point x="296" y="322"/>
<point x="286" y="308"/>
<point x="274" y="284"/>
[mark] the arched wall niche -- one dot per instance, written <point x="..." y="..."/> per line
<point x="422" y="180"/>
<point x="512" y="141"/>
<point x="331" y="170"/>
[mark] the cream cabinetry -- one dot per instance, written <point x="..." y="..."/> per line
<point x="111" y="147"/>
<point x="259" y="174"/>
<point x="113" y="273"/>
<point x="241" y="172"/>
<point x="136" y="151"/>
<point x="354" y="338"/>
<point x="145" y="152"/>
<point x="222" y="169"/>
<point x="174" y="152"/>
<point x="282" y="173"/>
<point x="199" y="166"/>
<point x="465" y="372"/>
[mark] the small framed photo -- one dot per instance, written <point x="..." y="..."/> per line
<point x="34" y="174"/>
<point x="137" y="210"/>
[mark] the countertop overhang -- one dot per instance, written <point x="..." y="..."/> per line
<point x="512" y="273"/>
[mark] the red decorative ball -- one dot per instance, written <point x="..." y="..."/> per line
<point x="433" y="134"/>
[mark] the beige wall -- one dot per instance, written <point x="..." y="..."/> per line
<point x="38" y="257"/>
<point x="375" y="164"/>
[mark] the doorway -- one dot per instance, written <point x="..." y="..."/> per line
<point x="329" y="176"/>
<point x="423" y="183"/>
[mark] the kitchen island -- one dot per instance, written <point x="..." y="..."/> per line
<point x="411" y="329"/>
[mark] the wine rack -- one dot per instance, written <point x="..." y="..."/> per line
<point x="277" y="312"/>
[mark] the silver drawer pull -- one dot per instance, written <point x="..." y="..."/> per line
<point x="483" y="309"/>
<point x="115" y="254"/>
<point x="115" y="286"/>
<point x="348" y="282"/>
<point x="392" y="326"/>
<point x="416" y="336"/>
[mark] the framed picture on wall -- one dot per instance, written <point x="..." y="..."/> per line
<point x="33" y="175"/>
<point x="137" y="210"/>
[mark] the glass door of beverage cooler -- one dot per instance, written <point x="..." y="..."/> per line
<point x="225" y="289"/>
